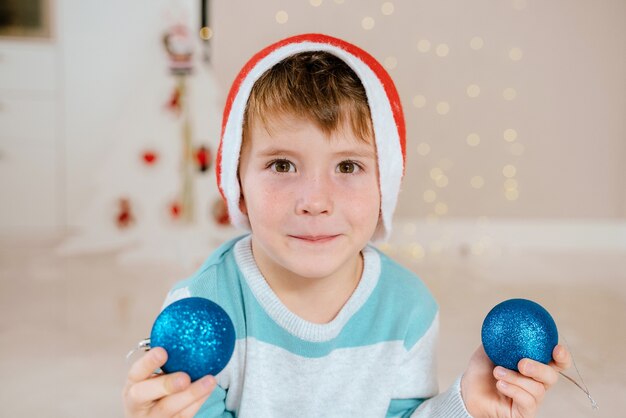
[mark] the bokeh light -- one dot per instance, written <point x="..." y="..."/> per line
<point x="423" y="45"/>
<point x="423" y="149"/>
<point x="387" y="8"/>
<point x="368" y="23"/>
<point x="442" y="50"/>
<point x="477" y="43"/>
<point x="473" y="139"/>
<point x="282" y="17"/>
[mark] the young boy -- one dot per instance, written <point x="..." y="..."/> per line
<point x="311" y="159"/>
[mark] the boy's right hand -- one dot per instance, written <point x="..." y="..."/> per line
<point x="164" y="395"/>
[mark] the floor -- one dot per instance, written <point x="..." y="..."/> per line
<point x="67" y="323"/>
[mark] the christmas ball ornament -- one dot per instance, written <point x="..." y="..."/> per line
<point x="517" y="329"/>
<point x="197" y="334"/>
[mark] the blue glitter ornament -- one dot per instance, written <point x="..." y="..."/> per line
<point x="517" y="329"/>
<point x="198" y="336"/>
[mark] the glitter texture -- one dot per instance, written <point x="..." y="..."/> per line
<point x="198" y="336"/>
<point x="517" y="329"/>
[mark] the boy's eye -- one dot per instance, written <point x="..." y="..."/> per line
<point x="282" y="166"/>
<point x="347" y="167"/>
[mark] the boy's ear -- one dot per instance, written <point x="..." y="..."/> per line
<point x="242" y="205"/>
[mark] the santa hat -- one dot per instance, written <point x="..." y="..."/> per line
<point x="385" y="109"/>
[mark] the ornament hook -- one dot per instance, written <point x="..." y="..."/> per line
<point x="582" y="386"/>
<point x="143" y="345"/>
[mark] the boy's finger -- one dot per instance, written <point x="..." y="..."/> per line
<point x="540" y="372"/>
<point x="152" y="390"/>
<point x="174" y="404"/>
<point x="535" y="388"/>
<point x="562" y="358"/>
<point x="523" y="401"/>
<point x="193" y="409"/>
<point x="146" y="365"/>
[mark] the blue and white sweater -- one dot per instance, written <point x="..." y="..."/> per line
<point x="375" y="359"/>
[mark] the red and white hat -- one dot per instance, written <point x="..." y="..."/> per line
<point x="384" y="104"/>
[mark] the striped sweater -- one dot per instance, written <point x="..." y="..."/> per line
<point x="376" y="358"/>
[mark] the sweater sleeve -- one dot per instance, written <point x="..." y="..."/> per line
<point x="448" y="404"/>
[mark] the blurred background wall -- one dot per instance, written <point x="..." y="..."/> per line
<point x="514" y="108"/>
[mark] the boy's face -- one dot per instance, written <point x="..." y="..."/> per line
<point x="313" y="202"/>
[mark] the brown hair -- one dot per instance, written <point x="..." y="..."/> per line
<point x="314" y="85"/>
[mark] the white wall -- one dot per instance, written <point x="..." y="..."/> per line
<point x="108" y="48"/>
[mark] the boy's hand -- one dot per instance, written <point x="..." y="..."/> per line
<point x="171" y="395"/>
<point x="502" y="393"/>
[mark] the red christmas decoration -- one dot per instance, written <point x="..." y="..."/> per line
<point x="174" y="104"/>
<point x="175" y="210"/>
<point x="203" y="158"/>
<point x="150" y="157"/>
<point x="124" y="217"/>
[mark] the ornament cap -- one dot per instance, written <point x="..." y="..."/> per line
<point x="143" y="345"/>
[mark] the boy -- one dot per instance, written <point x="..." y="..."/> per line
<point x="311" y="158"/>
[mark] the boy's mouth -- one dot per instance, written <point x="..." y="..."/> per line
<point x="318" y="239"/>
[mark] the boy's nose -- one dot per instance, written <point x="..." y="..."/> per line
<point x="315" y="198"/>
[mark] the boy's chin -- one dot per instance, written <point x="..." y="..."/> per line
<point x="317" y="266"/>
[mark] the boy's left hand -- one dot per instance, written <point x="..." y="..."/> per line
<point x="499" y="392"/>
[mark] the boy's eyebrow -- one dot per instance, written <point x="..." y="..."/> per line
<point x="360" y="152"/>
<point x="276" y="152"/>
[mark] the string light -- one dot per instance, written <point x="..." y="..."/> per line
<point x="206" y="33"/>
<point x="436" y="173"/>
<point x="368" y="23"/>
<point x="510" y="135"/>
<point x="511" y="194"/>
<point x="430" y="196"/>
<point x="441" y="208"/>
<point x="473" y="90"/>
<point x="509" y="171"/>
<point x="423" y="149"/>
<point x="442" y="50"/>
<point x="419" y="101"/>
<point x="509" y="93"/>
<point x="477" y="43"/>
<point x="442" y="181"/>
<point x="423" y="45"/>
<point x="477" y="182"/>
<point x="391" y="63"/>
<point x="416" y="251"/>
<point x="510" y="184"/>
<point x="443" y="108"/>
<point x="515" y="54"/>
<point x="387" y="8"/>
<point x="473" y="140"/>
<point x="315" y="3"/>
<point x="282" y="17"/>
